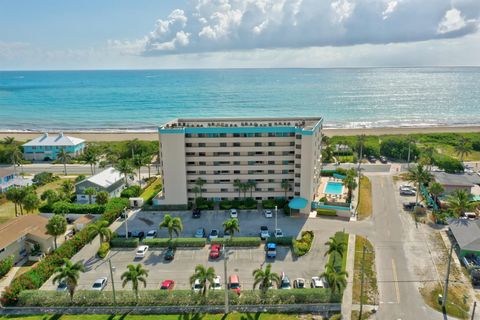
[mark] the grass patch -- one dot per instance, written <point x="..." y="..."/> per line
<point x="365" y="202"/>
<point x="457" y="305"/>
<point x="152" y="190"/>
<point x="370" y="280"/>
<point x="231" y="316"/>
<point x="341" y="237"/>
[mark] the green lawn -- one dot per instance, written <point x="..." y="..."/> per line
<point x="232" y="316"/>
<point x="370" y="279"/>
<point x="364" y="209"/>
<point x="456" y="305"/>
<point x="152" y="190"/>
<point x="341" y="237"/>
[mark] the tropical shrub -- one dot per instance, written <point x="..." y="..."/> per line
<point x="79" y="178"/>
<point x="326" y="212"/>
<point x="114" y="208"/>
<point x="103" y="250"/>
<point x="63" y="207"/>
<point x="204" y="204"/>
<point x="124" y="243"/>
<point x="271" y="203"/>
<point x="302" y="246"/>
<point x="397" y="148"/>
<point x="5" y="265"/>
<point x="283" y="241"/>
<point x="244" y="204"/>
<point x="238" y="241"/>
<point x="449" y="164"/>
<point x="178" y="242"/>
<point x="131" y="192"/>
<point x="43" y="178"/>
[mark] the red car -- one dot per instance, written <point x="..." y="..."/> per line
<point x="168" y="285"/>
<point x="215" y="251"/>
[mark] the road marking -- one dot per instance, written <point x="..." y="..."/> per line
<point x="395" y="278"/>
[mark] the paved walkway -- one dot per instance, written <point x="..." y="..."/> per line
<point x="348" y="293"/>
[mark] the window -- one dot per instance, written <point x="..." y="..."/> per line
<point x="251" y="163"/>
<point x="271" y="153"/>
<point x="223" y="144"/>
<point x="271" y="162"/>
<point x="284" y="171"/>
<point x="271" y="144"/>
<point x="271" y="180"/>
<point x="236" y="163"/>
<point x="251" y="153"/>
<point x="223" y="135"/>
<point x="271" y="171"/>
<point x="236" y="171"/>
<point x="190" y="163"/>
<point x="298" y="166"/>
<point x="292" y="143"/>
<point x="258" y="134"/>
<point x="297" y="156"/>
<point x="188" y="145"/>
<point x="202" y="172"/>
<point x="298" y="137"/>
<point x="201" y="145"/>
<point x="271" y="134"/>
<point x="201" y="154"/>
<point x="191" y="172"/>
<point x="188" y="135"/>
<point x="236" y="144"/>
<point x="237" y="154"/>
<point x="258" y="144"/>
<point x="223" y="190"/>
<point x="236" y="135"/>
<point x="298" y="146"/>
<point x="297" y="184"/>
<point x="191" y="154"/>
<point x="202" y="163"/>
<point x="271" y="189"/>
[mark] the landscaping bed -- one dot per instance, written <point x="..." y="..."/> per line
<point x="340" y="262"/>
<point x="370" y="288"/>
<point x="178" y="242"/>
<point x="302" y="247"/>
<point x="239" y="241"/>
<point x="364" y="209"/>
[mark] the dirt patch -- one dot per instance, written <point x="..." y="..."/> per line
<point x="370" y="276"/>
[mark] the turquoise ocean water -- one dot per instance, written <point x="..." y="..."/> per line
<point x="142" y="100"/>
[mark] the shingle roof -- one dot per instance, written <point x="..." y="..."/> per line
<point x="6" y="171"/>
<point x="466" y="232"/>
<point x="105" y="178"/>
<point x="14" y="229"/>
<point x="54" y="140"/>
<point x="460" y="180"/>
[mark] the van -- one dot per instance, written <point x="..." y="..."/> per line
<point x="234" y="283"/>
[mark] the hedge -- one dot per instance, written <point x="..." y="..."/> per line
<point x="239" y="242"/>
<point x="178" y="242"/>
<point x="5" y="265"/>
<point x="124" y="243"/>
<point x="327" y="212"/>
<point x="175" y="298"/>
<point x="166" y="207"/>
<point x="302" y="246"/>
<point x="244" y="204"/>
<point x="283" y="241"/>
<point x="271" y="203"/>
<point x="103" y="250"/>
<point x="131" y="192"/>
<point x="114" y="208"/>
<point x="67" y="207"/>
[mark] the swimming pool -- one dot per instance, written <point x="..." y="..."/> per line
<point x="333" y="188"/>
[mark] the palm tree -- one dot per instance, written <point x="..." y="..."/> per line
<point x="68" y="187"/>
<point x="435" y="189"/>
<point x="9" y="141"/>
<point x="238" y="184"/>
<point x="196" y="190"/>
<point x="285" y="186"/>
<point x="351" y="182"/>
<point x="133" y="145"/>
<point x="100" y="228"/>
<point x="15" y="196"/>
<point x="335" y="248"/>
<point x="135" y="274"/>
<point x="90" y="192"/>
<point x="30" y="202"/>
<point x="410" y="140"/>
<point x="265" y="278"/>
<point x="251" y="185"/>
<point x="460" y="202"/>
<point x="203" y="275"/>
<point x="90" y="156"/>
<point x="173" y="225"/>
<point x="56" y="226"/>
<point x="148" y="162"/>
<point x="64" y="157"/>
<point x="16" y="156"/>
<point x="231" y="226"/>
<point x="337" y="279"/>
<point x="427" y="157"/>
<point x="200" y="183"/>
<point x="463" y="148"/>
<point x="138" y="162"/>
<point x="69" y="273"/>
<point x="244" y="187"/>
<point x="360" y="145"/>
<point x="124" y="167"/>
<point x="420" y="176"/>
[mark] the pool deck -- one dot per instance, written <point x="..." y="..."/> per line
<point x="331" y="197"/>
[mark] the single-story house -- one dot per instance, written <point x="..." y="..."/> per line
<point x="83" y="221"/>
<point x="467" y="235"/>
<point x="7" y="177"/>
<point x="109" y="180"/>
<point x="20" y="235"/>
<point x="452" y="182"/>
<point x="46" y="147"/>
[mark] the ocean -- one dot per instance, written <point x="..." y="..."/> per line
<point x="141" y="100"/>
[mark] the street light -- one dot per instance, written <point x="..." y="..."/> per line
<point x="126" y="222"/>
<point x="113" y="282"/>
<point x="276" y="214"/>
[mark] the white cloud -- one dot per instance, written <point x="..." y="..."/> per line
<point x="224" y="25"/>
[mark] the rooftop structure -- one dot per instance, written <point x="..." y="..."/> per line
<point x="54" y="140"/>
<point x="47" y="147"/>
<point x="467" y="234"/>
<point x="452" y="182"/>
<point x="109" y="180"/>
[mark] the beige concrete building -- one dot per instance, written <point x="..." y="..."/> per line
<point x="221" y="150"/>
<point x="19" y="236"/>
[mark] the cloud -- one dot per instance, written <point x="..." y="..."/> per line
<point x="225" y="25"/>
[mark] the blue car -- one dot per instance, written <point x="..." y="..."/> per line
<point x="271" y="250"/>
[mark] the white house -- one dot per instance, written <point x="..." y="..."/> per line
<point x="46" y="147"/>
<point x="109" y="180"/>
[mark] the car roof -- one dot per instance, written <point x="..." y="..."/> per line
<point x="234" y="278"/>
<point x="142" y="247"/>
<point x="167" y="282"/>
<point x="271" y="245"/>
<point x="264" y="228"/>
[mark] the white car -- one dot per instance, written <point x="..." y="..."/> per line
<point x="151" y="234"/>
<point x="141" y="251"/>
<point x="233" y="213"/>
<point x="278" y="233"/>
<point x="217" y="283"/>
<point x="196" y="287"/>
<point x="317" y="282"/>
<point x="100" y="284"/>
<point x="268" y="213"/>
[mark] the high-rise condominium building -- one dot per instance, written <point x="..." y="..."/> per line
<point x="267" y="151"/>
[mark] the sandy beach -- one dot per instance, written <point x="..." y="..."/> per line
<point x="150" y="136"/>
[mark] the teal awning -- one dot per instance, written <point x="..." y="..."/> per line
<point x="297" y="203"/>
<point x="339" y="176"/>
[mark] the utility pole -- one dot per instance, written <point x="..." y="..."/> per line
<point x="361" y="282"/>
<point x="473" y="311"/>
<point x="225" y="275"/>
<point x="276" y="210"/>
<point x="125" y="213"/>
<point x="445" y="289"/>
<point x="113" y="282"/>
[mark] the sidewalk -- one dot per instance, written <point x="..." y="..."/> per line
<point x="348" y="293"/>
<point x="6" y="280"/>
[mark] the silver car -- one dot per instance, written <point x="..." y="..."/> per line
<point x="100" y="284"/>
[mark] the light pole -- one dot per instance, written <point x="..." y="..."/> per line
<point x="225" y="275"/>
<point x="445" y="289"/>
<point x="126" y="222"/>
<point x="276" y="214"/>
<point x="113" y="282"/>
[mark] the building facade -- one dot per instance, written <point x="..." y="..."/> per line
<point x="222" y="150"/>
<point x="109" y="180"/>
<point x="46" y="147"/>
<point x="7" y="179"/>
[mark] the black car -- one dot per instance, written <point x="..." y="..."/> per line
<point x="409" y="206"/>
<point x="123" y="235"/>
<point x="372" y="159"/>
<point x="475" y="274"/>
<point x="138" y="234"/>
<point x="196" y="213"/>
<point x="407" y="192"/>
<point x="383" y="159"/>
<point x="169" y="254"/>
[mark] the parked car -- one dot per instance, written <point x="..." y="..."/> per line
<point x="62" y="286"/>
<point x="264" y="233"/>
<point x="316" y="282"/>
<point x="271" y="250"/>
<point x="169" y="254"/>
<point x="278" y="233"/>
<point x="197" y="286"/>
<point x="475" y="274"/>
<point x="299" y="283"/>
<point x="167" y="285"/>
<point x="217" y="283"/>
<point x="383" y="159"/>
<point x="200" y="233"/>
<point x="141" y="251"/>
<point x="196" y="213"/>
<point x="234" y="284"/>
<point x="100" y="284"/>
<point x="372" y="159"/>
<point x="407" y="192"/>
<point x="285" y="282"/>
<point x="215" y="251"/>
<point x="407" y="186"/>
<point x="213" y="234"/>
<point x="151" y="234"/>
<point x="138" y="234"/>
<point x="409" y="206"/>
<point x="268" y="213"/>
<point x="233" y="213"/>
<point x="270" y="285"/>
<point x="227" y="235"/>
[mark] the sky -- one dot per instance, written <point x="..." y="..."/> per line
<point x="151" y="34"/>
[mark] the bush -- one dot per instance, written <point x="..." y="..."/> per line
<point x="178" y="242"/>
<point x="5" y="265"/>
<point x="239" y="242"/>
<point x="302" y="246"/>
<point x="131" y="192"/>
<point x="271" y="203"/>
<point x="449" y="164"/>
<point x="397" y="148"/>
<point x="124" y="243"/>
<point x="283" y="241"/>
<point x="43" y="178"/>
<point x="166" y="207"/>
<point x="103" y="250"/>
<point x="114" y="208"/>
<point x="204" y="204"/>
<point x="63" y="207"/>
<point x="476" y="145"/>
<point x="341" y="237"/>
<point x="327" y="212"/>
<point x="79" y="178"/>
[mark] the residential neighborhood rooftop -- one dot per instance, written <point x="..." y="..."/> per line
<point x="16" y="228"/>
<point x="5" y="171"/>
<point x="461" y="179"/>
<point x="105" y="178"/>
<point x="466" y="232"/>
<point x="299" y="122"/>
<point x="54" y="140"/>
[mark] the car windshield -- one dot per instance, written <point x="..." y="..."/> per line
<point x="97" y="284"/>
<point x="151" y="233"/>
<point x="62" y="285"/>
<point x="198" y="286"/>
<point x="214" y="232"/>
<point x="140" y="250"/>
<point x="263" y="228"/>
<point x="234" y="285"/>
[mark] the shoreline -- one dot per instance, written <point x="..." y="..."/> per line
<point x="109" y="135"/>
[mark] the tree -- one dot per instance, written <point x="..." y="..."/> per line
<point x="90" y="156"/>
<point x="203" y="275"/>
<point x="200" y="183"/>
<point x="251" y="185"/>
<point x="133" y="145"/>
<point x="9" y="141"/>
<point x="56" y="226"/>
<point x="31" y="202"/>
<point x="237" y="184"/>
<point x="231" y="226"/>
<point x="420" y="176"/>
<point x="336" y="279"/>
<point x="335" y="248"/>
<point x="139" y="161"/>
<point x="351" y="182"/>
<point x="68" y="187"/>
<point x="265" y="278"/>
<point x="435" y="189"/>
<point x="463" y="148"/>
<point x="90" y="192"/>
<point x="51" y="196"/>
<point x="410" y="140"/>
<point x="360" y="145"/>
<point x="15" y="195"/>
<point x="135" y="275"/>
<point x="244" y="187"/>
<point x="100" y="228"/>
<point x="173" y="225"/>
<point x="16" y="156"/>
<point x="124" y="167"/>
<point x="64" y="156"/>
<point x="102" y="197"/>
<point x="196" y="190"/>
<point x="69" y="273"/>
<point x="285" y="186"/>
<point x="460" y="202"/>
